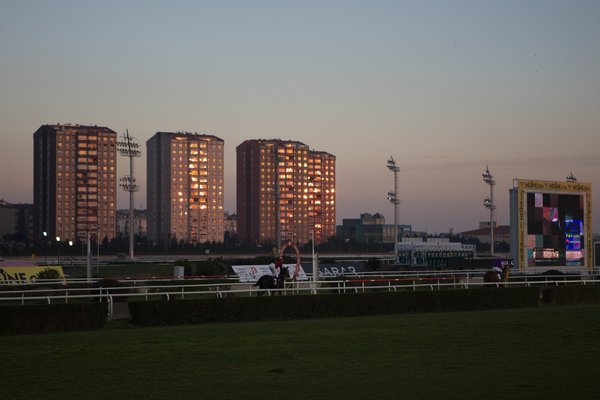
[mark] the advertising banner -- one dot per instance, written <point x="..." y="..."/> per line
<point x="21" y="275"/>
<point x="251" y="273"/>
<point x="341" y="269"/>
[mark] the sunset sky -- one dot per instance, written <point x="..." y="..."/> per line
<point x="445" y="87"/>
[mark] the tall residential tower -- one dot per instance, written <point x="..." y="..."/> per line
<point x="185" y="187"/>
<point x="74" y="186"/>
<point x="284" y="181"/>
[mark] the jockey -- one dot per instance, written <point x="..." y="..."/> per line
<point x="275" y="268"/>
<point x="497" y="268"/>
<point x="498" y="271"/>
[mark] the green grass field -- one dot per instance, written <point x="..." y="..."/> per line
<point x="541" y="353"/>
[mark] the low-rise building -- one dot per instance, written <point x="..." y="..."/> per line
<point x="371" y="229"/>
<point x="140" y="223"/>
<point x="230" y="224"/>
<point x="16" y="222"/>
<point x="501" y="233"/>
<point x="432" y="252"/>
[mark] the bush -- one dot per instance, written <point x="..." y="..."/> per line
<point x="571" y="294"/>
<point x="321" y="306"/>
<point x="46" y="318"/>
<point x="48" y="273"/>
<point x="213" y="267"/>
<point x="114" y="287"/>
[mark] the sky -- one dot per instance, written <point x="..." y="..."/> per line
<point x="445" y="87"/>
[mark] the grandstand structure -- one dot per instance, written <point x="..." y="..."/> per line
<point x="432" y="252"/>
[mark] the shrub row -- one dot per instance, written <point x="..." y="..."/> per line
<point x="571" y="294"/>
<point x="82" y="316"/>
<point x="44" y="318"/>
<point x="325" y="306"/>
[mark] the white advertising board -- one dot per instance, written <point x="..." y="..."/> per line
<point x="251" y="273"/>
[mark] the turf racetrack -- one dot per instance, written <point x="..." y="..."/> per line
<point x="542" y="353"/>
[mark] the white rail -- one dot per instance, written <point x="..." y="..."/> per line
<point x="169" y="292"/>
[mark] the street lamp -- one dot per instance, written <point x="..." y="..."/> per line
<point x="315" y="260"/>
<point x="488" y="203"/>
<point x="393" y="198"/>
<point x="58" y="250"/>
<point x="71" y="251"/>
<point x="45" y="244"/>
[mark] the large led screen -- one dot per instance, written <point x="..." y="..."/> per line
<point x="555" y="235"/>
<point x="551" y="224"/>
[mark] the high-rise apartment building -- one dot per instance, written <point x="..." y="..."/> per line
<point x="322" y="174"/>
<point x="185" y="187"/>
<point x="284" y="181"/>
<point x="75" y="182"/>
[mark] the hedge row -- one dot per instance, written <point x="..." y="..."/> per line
<point x="82" y="316"/>
<point x="571" y="294"/>
<point x="325" y="306"/>
<point x="46" y="318"/>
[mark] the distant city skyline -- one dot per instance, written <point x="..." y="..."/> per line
<point x="445" y="87"/>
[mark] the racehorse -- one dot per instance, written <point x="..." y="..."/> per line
<point x="268" y="282"/>
<point x="491" y="277"/>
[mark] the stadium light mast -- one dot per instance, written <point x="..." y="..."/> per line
<point x="393" y="198"/>
<point x="127" y="146"/>
<point x="488" y="203"/>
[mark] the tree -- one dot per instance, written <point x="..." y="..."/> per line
<point x="48" y="273"/>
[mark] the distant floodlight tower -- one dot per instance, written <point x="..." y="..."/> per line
<point x="127" y="146"/>
<point x="571" y="177"/>
<point x="393" y="198"/>
<point x="488" y="203"/>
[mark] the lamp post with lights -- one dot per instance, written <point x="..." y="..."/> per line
<point x="488" y="203"/>
<point x="71" y="251"/>
<point x="127" y="146"/>
<point x="45" y="245"/>
<point x="393" y="198"/>
<point x="58" y="250"/>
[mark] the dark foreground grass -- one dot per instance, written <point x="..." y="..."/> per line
<point x="541" y="353"/>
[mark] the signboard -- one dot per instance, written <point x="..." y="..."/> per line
<point x="22" y="275"/>
<point x="340" y="269"/>
<point x="551" y="225"/>
<point x="251" y="273"/>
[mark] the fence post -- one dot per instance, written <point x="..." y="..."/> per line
<point x="110" y="306"/>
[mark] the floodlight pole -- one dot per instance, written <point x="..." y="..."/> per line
<point x="488" y="203"/>
<point x="393" y="198"/>
<point x="129" y="148"/>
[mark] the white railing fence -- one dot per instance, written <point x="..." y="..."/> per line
<point x="136" y="291"/>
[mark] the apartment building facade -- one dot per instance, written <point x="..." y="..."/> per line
<point x="75" y="182"/>
<point x="285" y="191"/>
<point x="185" y="190"/>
